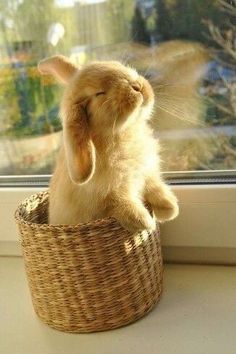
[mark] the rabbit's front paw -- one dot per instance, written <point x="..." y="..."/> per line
<point x="167" y="209"/>
<point x="139" y="220"/>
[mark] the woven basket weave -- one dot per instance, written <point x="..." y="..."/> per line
<point x="88" y="277"/>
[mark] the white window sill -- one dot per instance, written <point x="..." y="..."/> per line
<point x="204" y="231"/>
<point x="195" y="315"/>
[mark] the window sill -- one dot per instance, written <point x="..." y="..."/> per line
<point x="195" y="315"/>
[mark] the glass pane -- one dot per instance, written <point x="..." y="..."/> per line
<point x="186" y="48"/>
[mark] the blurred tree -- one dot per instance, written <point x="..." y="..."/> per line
<point x="183" y="19"/>
<point x="163" y="21"/>
<point x="223" y="99"/>
<point x="139" y="31"/>
<point x="119" y="17"/>
<point x="189" y="16"/>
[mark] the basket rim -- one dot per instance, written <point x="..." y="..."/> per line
<point x="103" y="222"/>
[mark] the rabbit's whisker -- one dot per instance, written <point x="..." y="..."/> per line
<point x="179" y="103"/>
<point x="181" y="107"/>
<point x="103" y="104"/>
<point x="113" y="129"/>
<point x="178" y="96"/>
<point x="177" y="113"/>
<point x="158" y="85"/>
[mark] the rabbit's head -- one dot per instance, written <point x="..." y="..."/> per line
<point x="100" y="99"/>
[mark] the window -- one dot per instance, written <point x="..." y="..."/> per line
<point x="186" y="49"/>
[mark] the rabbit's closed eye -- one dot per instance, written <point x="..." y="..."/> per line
<point x="100" y="93"/>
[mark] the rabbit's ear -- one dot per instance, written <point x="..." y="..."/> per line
<point x="79" y="148"/>
<point x="58" y="66"/>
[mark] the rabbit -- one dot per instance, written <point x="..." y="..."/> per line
<point x="109" y="164"/>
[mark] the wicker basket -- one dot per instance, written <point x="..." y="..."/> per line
<point x="88" y="277"/>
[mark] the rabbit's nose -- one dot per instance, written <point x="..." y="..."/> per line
<point x="136" y="86"/>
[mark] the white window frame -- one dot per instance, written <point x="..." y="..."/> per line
<point x="204" y="232"/>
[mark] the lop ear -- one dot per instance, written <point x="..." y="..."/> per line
<point x="79" y="148"/>
<point x="58" y="66"/>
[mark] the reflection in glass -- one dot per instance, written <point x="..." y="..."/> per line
<point x="187" y="50"/>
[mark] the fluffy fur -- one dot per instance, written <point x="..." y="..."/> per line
<point x="109" y="162"/>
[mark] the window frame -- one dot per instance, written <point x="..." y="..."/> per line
<point x="172" y="177"/>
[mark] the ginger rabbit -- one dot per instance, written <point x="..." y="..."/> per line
<point x="109" y="162"/>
